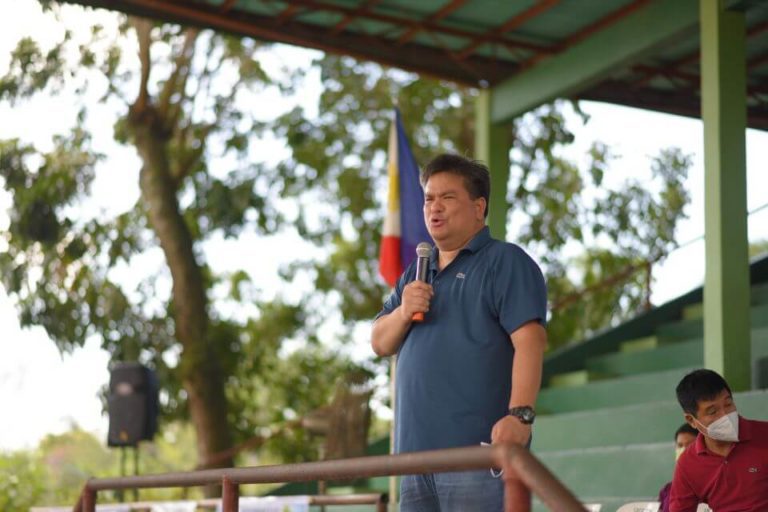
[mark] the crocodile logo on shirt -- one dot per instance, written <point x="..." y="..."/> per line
<point x="460" y="275"/>
<point x="753" y="470"/>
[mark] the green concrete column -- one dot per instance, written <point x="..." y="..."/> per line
<point x="723" y="109"/>
<point x="492" y="146"/>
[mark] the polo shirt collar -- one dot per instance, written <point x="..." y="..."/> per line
<point x="745" y="430"/>
<point x="480" y="240"/>
<point x="701" y="447"/>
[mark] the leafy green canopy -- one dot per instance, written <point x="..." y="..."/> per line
<point x="183" y="106"/>
<point x="586" y="235"/>
<point x="54" y="472"/>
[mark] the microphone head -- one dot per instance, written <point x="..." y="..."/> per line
<point x="423" y="250"/>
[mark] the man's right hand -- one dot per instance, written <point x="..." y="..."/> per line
<point x="416" y="297"/>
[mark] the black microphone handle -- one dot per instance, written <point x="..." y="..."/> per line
<point x="422" y="264"/>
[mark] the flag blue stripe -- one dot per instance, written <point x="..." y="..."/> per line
<point x="413" y="231"/>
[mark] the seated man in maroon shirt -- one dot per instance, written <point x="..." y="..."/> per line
<point x="727" y="465"/>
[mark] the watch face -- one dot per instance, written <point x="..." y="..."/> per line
<point x="525" y="414"/>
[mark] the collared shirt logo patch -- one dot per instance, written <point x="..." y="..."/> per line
<point x="460" y="275"/>
<point x="753" y="470"/>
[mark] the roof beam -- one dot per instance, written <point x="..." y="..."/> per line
<point x="349" y="18"/>
<point x="680" y="102"/>
<point x="433" y="18"/>
<point x="593" y="59"/>
<point x="421" y="59"/>
<point x="509" y="25"/>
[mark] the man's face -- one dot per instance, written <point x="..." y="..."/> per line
<point x="709" y="411"/>
<point x="684" y="440"/>
<point x="451" y="215"/>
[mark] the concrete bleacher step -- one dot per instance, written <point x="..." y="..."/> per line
<point x="759" y="343"/>
<point x="759" y="315"/>
<point x="663" y="357"/>
<point x="693" y="311"/>
<point x="576" y="378"/>
<point x="672" y="355"/>
<point x="759" y="294"/>
<point x="628" y="470"/>
<point x="651" y="422"/>
<point x="643" y="388"/>
<point x="680" y="330"/>
<point x="694" y="327"/>
<point x="639" y="344"/>
<point x="648" y="423"/>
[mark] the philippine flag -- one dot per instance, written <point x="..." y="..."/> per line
<point x="404" y="226"/>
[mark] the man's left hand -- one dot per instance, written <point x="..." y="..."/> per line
<point x="510" y="430"/>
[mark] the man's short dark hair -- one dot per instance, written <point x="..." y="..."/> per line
<point x="699" y="385"/>
<point x="477" y="179"/>
<point x="685" y="429"/>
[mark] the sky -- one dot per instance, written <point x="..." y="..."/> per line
<point x="43" y="391"/>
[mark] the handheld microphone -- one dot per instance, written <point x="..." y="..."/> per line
<point x="423" y="250"/>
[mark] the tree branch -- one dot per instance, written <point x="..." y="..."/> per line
<point x="169" y="109"/>
<point x="143" y="28"/>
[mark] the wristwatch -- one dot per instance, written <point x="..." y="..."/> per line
<point x="524" y="413"/>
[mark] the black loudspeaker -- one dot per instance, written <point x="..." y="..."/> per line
<point x="132" y="404"/>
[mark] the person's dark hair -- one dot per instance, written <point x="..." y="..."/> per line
<point x="477" y="179"/>
<point x="685" y="429"/>
<point x="699" y="385"/>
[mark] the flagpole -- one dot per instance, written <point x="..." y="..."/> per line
<point x="393" y="487"/>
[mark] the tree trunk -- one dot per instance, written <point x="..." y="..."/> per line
<point x="199" y="368"/>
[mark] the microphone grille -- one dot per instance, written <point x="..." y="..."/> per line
<point x="423" y="250"/>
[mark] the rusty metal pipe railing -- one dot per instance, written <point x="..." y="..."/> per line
<point x="379" y="500"/>
<point x="515" y="460"/>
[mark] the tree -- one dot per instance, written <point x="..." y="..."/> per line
<point x="55" y="471"/>
<point x="22" y="481"/>
<point x="181" y="108"/>
<point x="758" y="248"/>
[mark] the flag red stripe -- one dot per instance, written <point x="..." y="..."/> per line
<point x="390" y="265"/>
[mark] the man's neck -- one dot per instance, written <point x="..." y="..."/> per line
<point x="721" y="448"/>
<point x="446" y="256"/>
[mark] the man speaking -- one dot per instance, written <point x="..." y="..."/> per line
<point x="470" y="371"/>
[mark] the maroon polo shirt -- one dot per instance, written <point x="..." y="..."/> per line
<point x="737" y="482"/>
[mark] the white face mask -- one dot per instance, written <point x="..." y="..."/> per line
<point x="725" y="428"/>
<point x="678" y="452"/>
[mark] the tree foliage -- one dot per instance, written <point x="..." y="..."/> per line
<point x="758" y="248"/>
<point x="22" y="481"/>
<point x="587" y="236"/>
<point x="181" y="107"/>
<point x="54" y="472"/>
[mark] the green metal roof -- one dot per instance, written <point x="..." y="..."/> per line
<point x="492" y="42"/>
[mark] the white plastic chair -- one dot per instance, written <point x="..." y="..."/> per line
<point x="640" y="506"/>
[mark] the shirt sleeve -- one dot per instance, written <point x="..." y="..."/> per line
<point x="520" y="294"/>
<point x="395" y="298"/>
<point x="682" y="498"/>
<point x="664" y="498"/>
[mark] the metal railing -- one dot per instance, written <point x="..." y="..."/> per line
<point x="517" y="462"/>
<point x="379" y="500"/>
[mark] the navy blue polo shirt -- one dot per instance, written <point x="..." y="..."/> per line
<point x="454" y="370"/>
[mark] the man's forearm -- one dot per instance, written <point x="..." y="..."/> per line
<point x="389" y="332"/>
<point x="530" y="342"/>
<point x="526" y="378"/>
